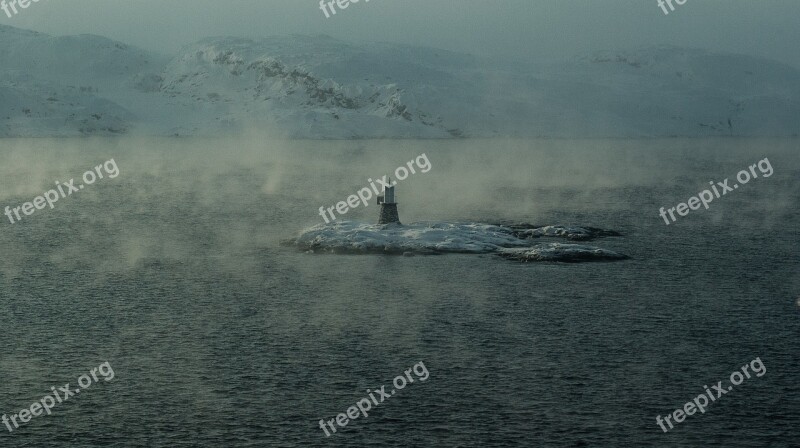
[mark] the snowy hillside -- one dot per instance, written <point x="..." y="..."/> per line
<point x="319" y="87"/>
<point x="30" y="108"/>
<point x="61" y="86"/>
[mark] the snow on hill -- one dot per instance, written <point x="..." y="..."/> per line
<point x="242" y="81"/>
<point x="320" y="87"/>
<point x="30" y="108"/>
<point x="677" y="91"/>
<point x="59" y="86"/>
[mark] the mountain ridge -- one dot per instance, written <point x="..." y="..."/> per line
<point x="303" y="86"/>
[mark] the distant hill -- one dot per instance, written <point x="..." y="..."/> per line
<point x="320" y="87"/>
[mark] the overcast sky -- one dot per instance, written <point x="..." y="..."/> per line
<point x="522" y="29"/>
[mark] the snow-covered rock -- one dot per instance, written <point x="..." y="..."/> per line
<point x="348" y="237"/>
<point x="564" y="253"/>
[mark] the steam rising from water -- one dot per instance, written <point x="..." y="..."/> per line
<point x="245" y="195"/>
<point x="173" y="271"/>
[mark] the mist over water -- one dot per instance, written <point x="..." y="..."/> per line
<point x="219" y="335"/>
<point x="555" y="279"/>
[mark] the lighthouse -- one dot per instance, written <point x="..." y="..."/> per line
<point x="388" y="206"/>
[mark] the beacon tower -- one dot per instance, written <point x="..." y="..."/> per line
<point x="388" y="206"/>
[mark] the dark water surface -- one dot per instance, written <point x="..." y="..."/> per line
<point x="218" y="335"/>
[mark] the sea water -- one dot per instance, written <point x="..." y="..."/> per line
<point x="176" y="273"/>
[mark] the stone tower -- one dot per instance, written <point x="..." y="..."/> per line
<point x="388" y="206"/>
